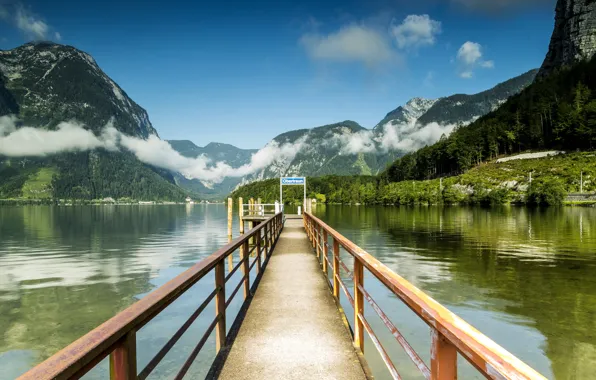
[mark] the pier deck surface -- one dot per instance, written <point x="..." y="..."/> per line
<point x="293" y="328"/>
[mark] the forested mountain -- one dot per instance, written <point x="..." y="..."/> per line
<point x="216" y="152"/>
<point x="44" y="84"/>
<point x="557" y="111"/>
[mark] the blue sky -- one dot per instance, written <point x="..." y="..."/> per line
<point x="243" y="72"/>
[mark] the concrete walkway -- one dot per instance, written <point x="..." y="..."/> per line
<point x="293" y="329"/>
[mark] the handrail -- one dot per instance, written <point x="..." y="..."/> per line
<point x="117" y="336"/>
<point x="450" y="333"/>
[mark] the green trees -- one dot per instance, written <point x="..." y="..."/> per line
<point x="557" y="112"/>
<point x="548" y="192"/>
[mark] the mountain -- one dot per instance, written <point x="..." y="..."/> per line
<point x="458" y="108"/>
<point x="408" y="113"/>
<point x="44" y="84"/>
<point x="323" y="150"/>
<point x="216" y="152"/>
<point x="574" y="35"/>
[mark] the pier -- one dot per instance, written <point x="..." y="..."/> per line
<point x="293" y="324"/>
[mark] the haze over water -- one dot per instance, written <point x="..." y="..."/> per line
<point x="526" y="278"/>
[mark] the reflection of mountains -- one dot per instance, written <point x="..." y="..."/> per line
<point x="70" y="268"/>
<point x="540" y="262"/>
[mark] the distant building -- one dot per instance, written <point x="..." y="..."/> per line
<point x="108" y="200"/>
<point x="189" y="200"/>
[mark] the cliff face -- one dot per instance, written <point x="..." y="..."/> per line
<point x="574" y="36"/>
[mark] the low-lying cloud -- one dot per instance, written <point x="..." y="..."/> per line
<point x="402" y="137"/>
<point x="27" y="141"/>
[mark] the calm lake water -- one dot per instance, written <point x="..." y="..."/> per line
<point x="526" y="278"/>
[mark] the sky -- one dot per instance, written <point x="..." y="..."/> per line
<point x="242" y="72"/>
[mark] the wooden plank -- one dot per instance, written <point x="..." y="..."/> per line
<point x="259" y="249"/>
<point x="443" y="358"/>
<point x="220" y="306"/>
<point x="123" y="360"/>
<point x="358" y="304"/>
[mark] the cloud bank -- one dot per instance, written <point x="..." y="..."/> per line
<point x="355" y="43"/>
<point x="73" y="137"/>
<point x="404" y="137"/>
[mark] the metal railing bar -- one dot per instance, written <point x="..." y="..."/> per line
<point x="348" y="295"/>
<point x="329" y="263"/>
<point x="253" y="263"/>
<point x="479" y="350"/>
<point x="197" y="349"/>
<point x="386" y="359"/>
<point x="235" y="291"/>
<point x="343" y="265"/>
<point x="236" y="268"/>
<point x="168" y="346"/>
<point x="418" y="362"/>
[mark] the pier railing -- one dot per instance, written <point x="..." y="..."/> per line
<point x="450" y="335"/>
<point x="116" y="338"/>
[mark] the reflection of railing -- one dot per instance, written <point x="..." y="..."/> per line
<point x="117" y="336"/>
<point x="450" y="334"/>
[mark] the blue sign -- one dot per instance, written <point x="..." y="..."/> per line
<point x="293" y="181"/>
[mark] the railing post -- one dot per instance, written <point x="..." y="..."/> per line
<point x="325" y="251"/>
<point x="123" y="360"/>
<point x="220" y="305"/>
<point x="443" y="361"/>
<point x="245" y="269"/>
<point x="230" y="217"/>
<point x="258" y="248"/>
<point x="336" y="269"/>
<point x="318" y="242"/>
<point x="358" y="304"/>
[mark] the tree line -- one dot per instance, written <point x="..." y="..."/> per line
<point x="556" y="112"/>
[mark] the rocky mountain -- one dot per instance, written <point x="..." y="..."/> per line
<point x="458" y="108"/>
<point x="216" y="152"/>
<point x="44" y="84"/>
<point x="574" y="35"/>
<point x="408" y="113"/>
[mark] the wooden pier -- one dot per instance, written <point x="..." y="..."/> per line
<point x="292" y="325"/>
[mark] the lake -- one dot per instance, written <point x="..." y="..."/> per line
<point x="526" y="278"/>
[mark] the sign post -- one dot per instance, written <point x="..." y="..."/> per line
<point x="292" y="181"/>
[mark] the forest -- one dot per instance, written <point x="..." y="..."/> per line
<point x="556" y="112"/>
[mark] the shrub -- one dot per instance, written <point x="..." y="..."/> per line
<point x="548" y="192"/>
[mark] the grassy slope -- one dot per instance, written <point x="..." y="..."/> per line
<point x="510" y="178"/>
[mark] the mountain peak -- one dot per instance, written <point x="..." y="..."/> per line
<point x="573" y="36"/>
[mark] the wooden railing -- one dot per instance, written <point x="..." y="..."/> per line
<point x="450" y="334"/>
<point x="117" y="336"/>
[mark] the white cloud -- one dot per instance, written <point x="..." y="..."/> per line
<point x="416" y="31"/>
<point x="487" y="64"/>
<point x="469" y="53"/>
<point x="58" y="36"/>
<point x="356" y="43"/>
<point x="69" y="136"/>
<point x="30" y="25"/>
<point x="410" y="137"/>
<point x="72" y="136"/>
<point x="469" y="57"/>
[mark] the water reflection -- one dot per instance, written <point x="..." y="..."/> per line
<point x="526" y="278"/>
<point x="65" y="270"/>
